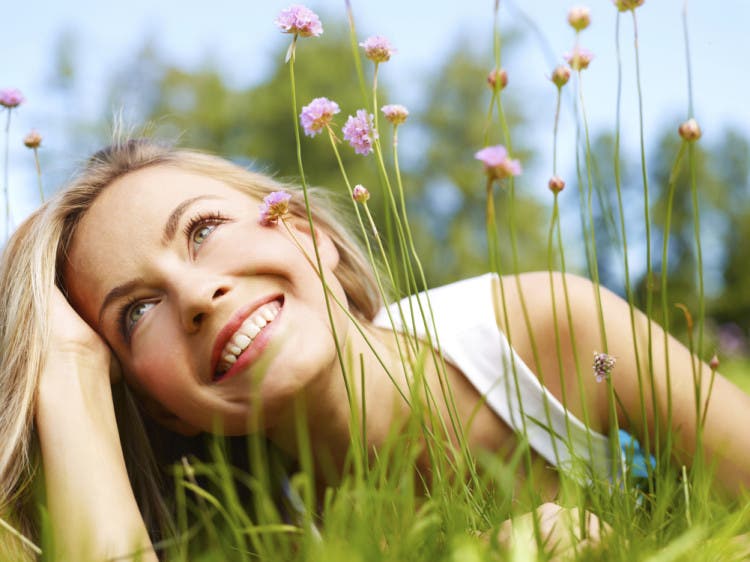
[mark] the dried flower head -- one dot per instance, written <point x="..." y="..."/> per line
<point x="299" y="20"/>
<point x="497" y="79"/>
<point x="625" y="5"/>
<point x="603" y="366"/>
<point x="360" y="193"/>
<point x="275" y="206"/>
<point x="496" y="162"/>
<point x="395" y="113"/>
<point x="579" y="18"/>
<point x="579" y="58"/>
<point x="33" y="139"/>
<point x="690" y="130"/>
<point x="360" y="132"/>
<point x="378" y="48"/>
<point x="317" y="114"/>
<point x="560" y="75"/>
<point x="11" y="97"/>
<point x="556" y="184"/>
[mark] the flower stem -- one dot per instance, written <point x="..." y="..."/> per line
<point x="626" y="263"/>
<point x="647" y="219"/>
<point x="6" y="193"/>
<point x="309" y="498"/>
<point x="5" y="525"/>
<point x="355" y="52"/>
<point x="39" y="174"/>
<point x="696" y="210"/>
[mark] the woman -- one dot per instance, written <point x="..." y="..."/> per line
<point x="152" y="265"/>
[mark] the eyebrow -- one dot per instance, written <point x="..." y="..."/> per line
<point x="170" y="227"/>
<point x="170" y="230"/>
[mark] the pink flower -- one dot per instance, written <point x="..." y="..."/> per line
<point x="579" y="58"/>
<point x="317" y="114"/>
<point x="377" y="48"/>
<point x="11" y="97"/>
<point x="360" y="132"/>
<point x="579" y="18"/>
<point x="496" y="162"/>
<point x="360" y="193"/>
<point x="395" y="113"/>
<point x="275" y="206"/>
<point x="299" y="20"/>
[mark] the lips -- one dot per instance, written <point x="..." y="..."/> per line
<point x="239" y="335"/>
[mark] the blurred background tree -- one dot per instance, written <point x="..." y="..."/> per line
<point x="444" y="185"/>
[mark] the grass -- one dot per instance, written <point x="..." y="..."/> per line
<point x="386" y="506"/>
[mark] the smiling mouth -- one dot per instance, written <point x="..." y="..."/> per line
<point x="245" y="335"/>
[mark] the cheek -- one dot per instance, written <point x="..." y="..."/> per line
<point x="158" y="374"/>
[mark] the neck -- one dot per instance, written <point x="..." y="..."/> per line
<point x="330" y="411"/>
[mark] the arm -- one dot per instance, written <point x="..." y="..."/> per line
<point x="91" y="504"/>
<point x="724" y="441"/>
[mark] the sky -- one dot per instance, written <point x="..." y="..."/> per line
<point x="241" y="39"/>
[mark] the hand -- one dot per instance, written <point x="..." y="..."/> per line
<point x="73" y="342"/>
<point x="560" y="529"/>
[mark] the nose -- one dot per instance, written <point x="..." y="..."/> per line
<point x="197" y="299"/>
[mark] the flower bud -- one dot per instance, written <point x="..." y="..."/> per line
<point x="579" y="58"/>
<point x="395" y="113"/>
<point x="689" y="130"/>
<point x="625" y="5"/>
<point x="556" y="184"/>
<point x="579" y="18"/>
<point x="33" y="139"/>
<point x="560" y="76"/>
<point x="378" y="48"/>
<point x="360" y="193"/>
<point x="714" y="363"/>
<point x="497" y="79"/>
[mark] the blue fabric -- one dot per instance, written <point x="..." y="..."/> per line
<point x="634" y="457"/>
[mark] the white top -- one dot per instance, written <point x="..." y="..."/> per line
<point x="470" y="339"/>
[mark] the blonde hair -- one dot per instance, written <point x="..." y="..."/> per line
<point x="31" y="265"/>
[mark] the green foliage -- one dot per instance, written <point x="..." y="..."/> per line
<point x="253" y="125"/>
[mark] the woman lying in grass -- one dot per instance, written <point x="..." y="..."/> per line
<point x="164" y="267"/>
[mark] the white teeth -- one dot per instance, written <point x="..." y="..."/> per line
<point x="268" y="314"/>
<point x="241" y="341"/>
<point x="246" y="333"/>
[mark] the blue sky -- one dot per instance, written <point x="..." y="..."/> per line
<point x="241" y="38"/>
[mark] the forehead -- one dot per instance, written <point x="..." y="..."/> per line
<point x="123" y="228"/>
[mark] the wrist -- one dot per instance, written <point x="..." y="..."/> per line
<point x="72" y="382"/>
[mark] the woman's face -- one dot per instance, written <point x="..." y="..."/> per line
<point x="208" y="312"/>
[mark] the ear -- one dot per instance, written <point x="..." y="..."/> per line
<point x="329" y="253"/>
<point x="167" y="419"/>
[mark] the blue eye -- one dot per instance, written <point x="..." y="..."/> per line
<point x="199" y="228"/>
<point x="201" y="234"/>
<point x="132" y="313"/>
